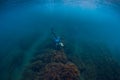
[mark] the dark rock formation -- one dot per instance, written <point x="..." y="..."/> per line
<point x="95" y="62"/>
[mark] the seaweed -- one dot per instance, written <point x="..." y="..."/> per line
<point x="53" y="65"/>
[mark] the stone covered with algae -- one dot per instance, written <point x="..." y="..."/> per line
<point x="60" y="71"/>
<point x="51" y="65"/>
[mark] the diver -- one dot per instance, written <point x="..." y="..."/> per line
<point x="58" y="42"/>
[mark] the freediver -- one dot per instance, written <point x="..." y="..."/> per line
<point x="58" y="42"/>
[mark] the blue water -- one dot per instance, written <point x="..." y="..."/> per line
<point x="24" y="26"/>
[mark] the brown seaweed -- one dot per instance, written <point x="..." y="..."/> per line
<point x="53" y="65"/>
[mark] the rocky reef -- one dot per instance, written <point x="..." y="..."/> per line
<point x="95" y="62"/>
<point x="51" y="65"/>
<point x="89" y="62"/>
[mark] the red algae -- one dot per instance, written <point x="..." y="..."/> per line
<point x="56" y="67"/>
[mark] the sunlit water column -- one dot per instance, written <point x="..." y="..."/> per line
<point x="49" y="6"/>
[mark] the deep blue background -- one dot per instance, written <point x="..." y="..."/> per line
<point x="22" y="23"/>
